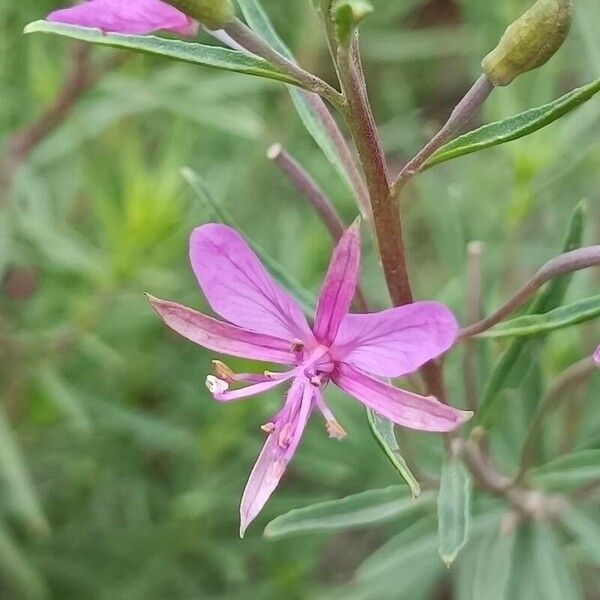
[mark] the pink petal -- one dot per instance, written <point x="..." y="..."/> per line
<point x="597" y="356"/>
<point x="397" y="341"/>
<point x="239" y="288"/>
<point x="137" y="17"/>
<point x="400" y="406"/>
<point x="274" y="457"/>
<point x="222" y="337"/>
<point x="339" y="286"/>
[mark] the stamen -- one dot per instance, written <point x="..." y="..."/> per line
<point x="335" y="430"/>
<point x="222" y="371"/>
<point x="216" y="385"/>
<point x="315" y="380"/>
<point x="268" y="427"/>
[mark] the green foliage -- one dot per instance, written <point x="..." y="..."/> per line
<point x="188" y="52"/>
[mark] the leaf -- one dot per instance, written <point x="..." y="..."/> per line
<point x="383" y="432"/>
<point x="568" y="472"/>
<point x="454" y="509"/>
<point x="189" y="52"/>
<point x="565" y="316"/>
<point x="586" y="531"/>
<point x="311" y="109"/>
<point x="548" y="299"/>
<point x="539" y="567"/>
<point x="514" y="127"/>
<point x="367" y="508"/>
<point x="23" y="496"/>
<point x="305" y="298"/>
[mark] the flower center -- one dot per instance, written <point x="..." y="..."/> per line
<point x="318" y="365"/>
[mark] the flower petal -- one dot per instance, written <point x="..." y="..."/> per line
<point x="339" y="286"/>
<point x="275" y="456"/>
<point x="239" y="288"/>
<point x="400" y="406"/>
<point x="137" y="17"/>
<point x="597" y="356"/>
<point x="397" y="341"/>
<point x="222" y="337"/>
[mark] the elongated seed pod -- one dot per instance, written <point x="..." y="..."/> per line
<point x="530" y="41"/>
<point x="212" y="13"/>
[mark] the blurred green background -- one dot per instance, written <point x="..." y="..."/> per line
<point x="120" y="476"/>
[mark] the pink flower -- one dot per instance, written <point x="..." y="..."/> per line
<point x="137" y="17"/>
<point x="597" y="356"/>
<point x="351" y="350"/>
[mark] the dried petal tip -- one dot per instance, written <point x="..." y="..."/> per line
<point x="335" y="430"/>
<point x="530" y="41"/>
<point x="214" y="14"/>
<point x="216" y="385"/>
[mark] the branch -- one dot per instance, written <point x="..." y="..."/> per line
<point x="459" y="118"/>
<point x="582" y="258"/>
<point x="251" y="41"/>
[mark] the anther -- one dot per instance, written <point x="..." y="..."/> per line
<point x="216" y="385"/>
<point x="222" y="371"/>
<point x="335" y="430"/>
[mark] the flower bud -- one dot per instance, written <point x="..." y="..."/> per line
<point x="530" y="41"/>
<point x="214" y="14"/>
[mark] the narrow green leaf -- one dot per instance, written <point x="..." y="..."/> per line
<point x="548" y="299"/>
<point x="190" y="52"/>
<point x="514" y="127"/>
<point x="23" y="496"/>
<point x="454" y="509"/>
<point x="20" y="574"/>
<point x="307" y="104"/>
<point x="305" y="298"/>
<point x="565" y="316"/>
<point x="367" y="508"/>
<point x="568" y="472"/>
<point x="586" y="531"/>
<point x="383" y="432"/>
<point x="495" y="548"/>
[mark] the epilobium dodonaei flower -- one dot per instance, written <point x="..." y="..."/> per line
<point x="354" y="351"/>
<point x="530" y="41"/>
<point x="137" y="17"/>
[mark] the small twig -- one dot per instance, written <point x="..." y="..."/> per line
<point x="251" y="41"/>
<point x="307" y="185"/>
<point x="570" y="378"/>
<point x="319" y="201"/>
<point x="569" y="262"/>
<point x="529" y="503"/>
<point x="460" y="117"/>
<point x="80" y="80"/>
<point x="474" y="310"/>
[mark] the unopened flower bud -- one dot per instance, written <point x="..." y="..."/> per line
<point x="530" y="41"/>
<point x="214" y="14"/>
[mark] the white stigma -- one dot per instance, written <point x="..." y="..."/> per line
<point x="216" y="385"/>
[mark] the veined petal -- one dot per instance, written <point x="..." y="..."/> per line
<point x="400" y="406"/>
<point x="397" y="341"/>
<point x="222" y="337"/>
<point x="239" y="288"/>
<point x="275" y="455"/>
<point x="137" y="17"/>
<point x="339" y="286"/>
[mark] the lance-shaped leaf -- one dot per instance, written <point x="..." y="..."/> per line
<point x="217" y="212"/>
<point x="454" y="509"/>
<point x="565" y="316"/>
<point x="359" y="510"/>
<point x="383" y="432"/>
<point x="514" y="127"/>
<point x="189" y="52"/>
